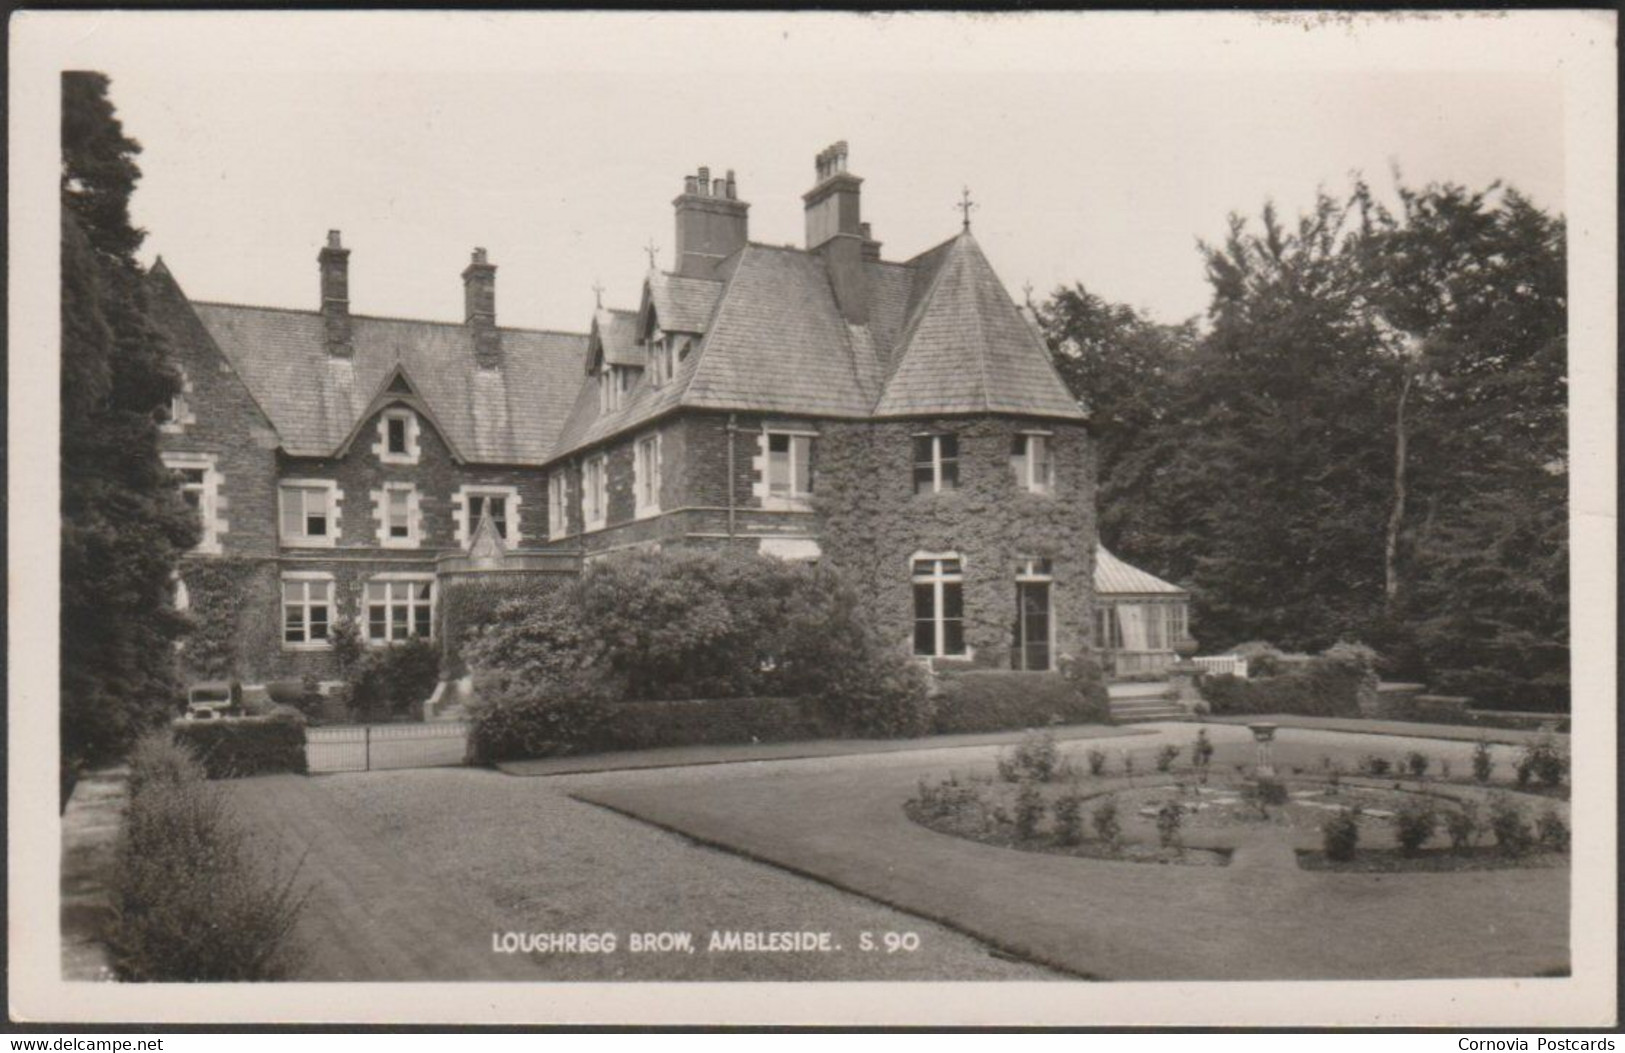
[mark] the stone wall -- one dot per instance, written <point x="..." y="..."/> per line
<point x="873" y="523"/>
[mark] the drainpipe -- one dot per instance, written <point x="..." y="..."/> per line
<point x="732" y="429"/>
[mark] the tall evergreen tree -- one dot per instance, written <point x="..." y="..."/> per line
<point x="124" y="525"/>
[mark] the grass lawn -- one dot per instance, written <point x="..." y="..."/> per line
<point x="413" y="872"/>
<point x="842" y="821"/>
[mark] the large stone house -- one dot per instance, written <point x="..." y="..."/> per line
<point x="899" y="419"/>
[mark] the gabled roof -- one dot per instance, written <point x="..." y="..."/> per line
<point x="967" y="349"/>
<point x="682" y="305"/>
<point x="510" y="415"/>
<point x="1114" y="577"/>
<point x="614" y="339"/>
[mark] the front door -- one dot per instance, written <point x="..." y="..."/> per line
<point x="1031" y="650"/>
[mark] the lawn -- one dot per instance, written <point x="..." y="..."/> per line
<point x="1262" y="917"/>
<point x="414" y="871"/>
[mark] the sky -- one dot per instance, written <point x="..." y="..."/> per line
<point x="1098" y="149"/>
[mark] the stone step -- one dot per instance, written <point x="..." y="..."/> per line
<point x="1140" y="711"/>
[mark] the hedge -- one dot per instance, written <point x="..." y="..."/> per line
<point x="1328" y="685"/>
<point x="1002" y="700"/>
<point x="705" y="722"/>
<point x="234" y="747"/>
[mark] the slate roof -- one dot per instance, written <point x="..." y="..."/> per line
<point x="943" y="337"/>
<point x="1114" y="577"/>
<point x="315" y="401"/>
<point x="615" y="336"/>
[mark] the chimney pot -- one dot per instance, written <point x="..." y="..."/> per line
<point x="689" y="185"/>
<point x="704" y="179"/>
<point x="719" y="188"/>
<point x="333" y="241"/>
<point x="733" y="189"/>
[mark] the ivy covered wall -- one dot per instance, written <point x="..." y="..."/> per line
<point x="873" y="523"/>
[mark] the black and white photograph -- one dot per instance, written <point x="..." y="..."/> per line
<point x="1049" y="518"/>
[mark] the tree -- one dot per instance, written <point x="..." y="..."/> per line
<point x="124" y="525"/>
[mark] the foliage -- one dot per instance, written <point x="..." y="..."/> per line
<point x="1029" y="810"/>
<point x="1170" y="817"/>
<point x="1105" y="822"/>
<point x="1067" y="810"/>
<point x="1463" y="825"/>
<point x="1202" y="752"/>
<point x="1340" y="834"/>
<point x="394" y="680"/>
<point x="1415" y="821"/>
<point x="695" y="722"/>
<point x="1097" y="761"/>
<point x="1375" y="766"/>
<point x="1034" y="758"/>
<point x="1383" y="393"/>
<point x="1543" y="760"/>
<point x="1166" y="757"/>
<point x="237" y="747"/>
<point x="1264" y="792"/>
<point x="190" y="899"/>
<point x="1328" y="685"/>
<point x="344" y="636"/>
<point x="1417" y="763"/>
<point x="951" y="799"/>
<point x="1551" y="831"/>
<point x="1513" y="835"/>
<point x="1002" y="700"/>
<point x="548" y="661"/>
<point x="124" y="525"/>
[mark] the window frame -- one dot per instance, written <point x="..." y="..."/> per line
<point x="944" y="469"/>
<point x="595" y="489"/>
<point x="940" y="578"/>
<point x="646" y="476"/>
<point x="467" y="522"/>
<point x="558" y="507"/>
<point x="390" y="581"/>
<point x="1025" y="465"/>
<point x="798" y="455"/>
<point x="386" y="535"/>
<point x="333" y="497"/>
<point x="210" y="503"/>
<point x="305" y="579"/>
<point x="409" y="432"/>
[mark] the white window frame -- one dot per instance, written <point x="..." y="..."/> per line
<point x="409" y="426"/>
<point x="1040" y="570"/>
<point x="646" y="469"/>
<point x="595" y="491"/>
<point x="937" y="461"/>
<point x="463" y="507"/>
<point x="801" y="449"/>
<point x="1026" y="465"/>
<point x="210" y="501"/>
<point x="335" y="498"/>
<point x="305" y="579"/>
<point x="390" y="581"/>
<point x="414" y="515"/>
<point x="558" y="509"/>
<point x="939" y="578"/>
<point x="662" y="358"/>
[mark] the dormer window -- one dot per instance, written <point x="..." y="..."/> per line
<point x="613" y="384"/>
<point x="397" y="437"/>
<point x="664" y="354"/>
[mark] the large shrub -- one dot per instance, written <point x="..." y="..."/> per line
<point x="236" y="747"/>
<point x="1003" y="700"/>
<point x="191" y="900"/>
<point x="549" y="667"/>
<point x="394" y="681"/>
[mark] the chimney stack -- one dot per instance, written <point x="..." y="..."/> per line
<point x="712" y="223"/>
<point x="334" y="261"/>
<point x="480" y="309"/>
<point x="836" y="231"/>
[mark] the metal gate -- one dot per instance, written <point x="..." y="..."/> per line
<point x="371" y="747"/>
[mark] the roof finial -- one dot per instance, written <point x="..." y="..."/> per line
<point x="598" y="292"/>
<point x="966" y="205"/>
<point x="1027" y="292"/>
<point x="652" y="249"/>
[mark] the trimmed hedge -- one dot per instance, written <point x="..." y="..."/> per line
<point x="706" y="722"/>
<point x="1003" y="700"/>
<point x="1328" y="685"/>
<point x="231" y="748"/>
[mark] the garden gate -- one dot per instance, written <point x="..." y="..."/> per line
<point x="371" y="747"/>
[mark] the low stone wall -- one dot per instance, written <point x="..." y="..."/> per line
<point x="90" y="827"/>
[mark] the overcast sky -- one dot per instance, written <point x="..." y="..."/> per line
<point x="1099" y="148"/>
